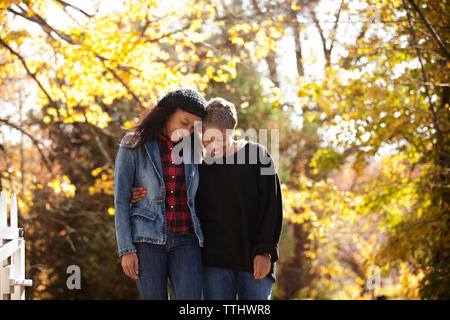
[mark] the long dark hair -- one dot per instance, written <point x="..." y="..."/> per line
<point x="150" y="125"/>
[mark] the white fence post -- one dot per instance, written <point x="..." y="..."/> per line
<point x="12" y="247"/>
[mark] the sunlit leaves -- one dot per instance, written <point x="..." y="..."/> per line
<point x="256" y="39"/>
<point x="137" y="54"/>
<point x="63" y="186"/>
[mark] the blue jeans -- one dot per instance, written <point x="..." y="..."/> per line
<point x="224" y="284"/>
<point x="180" y="260"/>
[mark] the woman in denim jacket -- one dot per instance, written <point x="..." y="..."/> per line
<point x="160" y="236"/>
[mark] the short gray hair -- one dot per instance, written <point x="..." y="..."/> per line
<point x="220" y="113"/>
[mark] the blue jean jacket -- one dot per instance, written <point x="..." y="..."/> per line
<point x="145" y="220"/>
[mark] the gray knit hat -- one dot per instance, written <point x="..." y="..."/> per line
<point x="189" y="100"/>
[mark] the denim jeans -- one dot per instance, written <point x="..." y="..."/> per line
<point x="179" y="259"/>
<point x="224" y="284"/>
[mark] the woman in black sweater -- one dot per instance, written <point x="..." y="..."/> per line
<point x="239" y="204"/>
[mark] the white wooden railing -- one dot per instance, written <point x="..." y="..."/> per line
<point x="12" y="253"/>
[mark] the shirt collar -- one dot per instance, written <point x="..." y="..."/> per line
<point x="162" y="138"/>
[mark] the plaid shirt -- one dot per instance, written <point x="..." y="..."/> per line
<point x="178" y="215"/>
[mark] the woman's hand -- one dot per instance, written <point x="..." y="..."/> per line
<point x="261" y="266"/>
<point x="137" y="194"/>
<point x="130" y="265"/>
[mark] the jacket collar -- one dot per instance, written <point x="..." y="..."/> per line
<point x="151" y="146"/>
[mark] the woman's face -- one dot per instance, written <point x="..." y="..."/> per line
<point x="180" y="124"/>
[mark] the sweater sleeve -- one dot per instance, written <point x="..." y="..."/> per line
<point x="270" y="208"/>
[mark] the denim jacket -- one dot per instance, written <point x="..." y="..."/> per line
<point x="145" y="220"/>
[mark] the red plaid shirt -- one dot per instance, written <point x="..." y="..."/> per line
<point x="178" y="215"/>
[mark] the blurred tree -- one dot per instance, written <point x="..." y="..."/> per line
<point x="396" y="94"/>
<point x="346" y="211"/>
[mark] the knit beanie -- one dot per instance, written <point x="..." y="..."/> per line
<point x="189" y="100"/>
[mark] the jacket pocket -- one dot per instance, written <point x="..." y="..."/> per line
<point x="149" y="214"/>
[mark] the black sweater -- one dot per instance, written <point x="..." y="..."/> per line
<point x="240" y="209"/>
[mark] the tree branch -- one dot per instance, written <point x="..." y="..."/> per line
<point x="43" y="24"/>
<point x="430" y="27"/>
<point x="298" y="45"/>
<point x="333" y="32"/>
<point x="322" y="36"/>
<point x="441" y="147"/>
<point x="47" y="161"/>
<point x="327" y="50"/>
<point x="31" y="74"/>
<point x="65" y="4"/>
<point x="98" y="142"/>
<point x="48" y="29"/>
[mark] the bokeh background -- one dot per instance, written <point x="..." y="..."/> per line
<point x="359" y="91"/>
